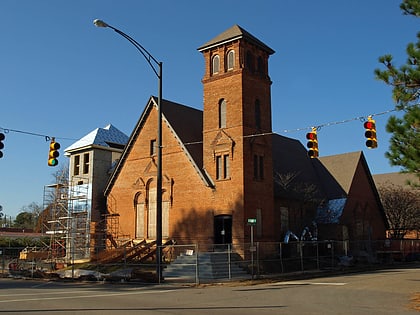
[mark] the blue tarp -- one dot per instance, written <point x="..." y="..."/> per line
<point x="331" y="211"/>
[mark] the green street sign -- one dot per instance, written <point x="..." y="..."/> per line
<point x="252" y="221"/>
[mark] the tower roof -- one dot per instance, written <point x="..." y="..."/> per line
<point x="234" y="33"/>
<point x="109" y="137"/>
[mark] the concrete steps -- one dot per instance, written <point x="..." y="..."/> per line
<point x="211" y="265"/>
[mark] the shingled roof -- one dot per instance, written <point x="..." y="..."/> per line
<point x="186" y="124"/>
<point x="290" y="157"/>
<point x="342" y="167"/>
<point x="234" y="33"/>
<point x="398" y="179"/>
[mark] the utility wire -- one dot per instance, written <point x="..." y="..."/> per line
<point x="47" y="138"/>
<point x="360" y="118"/>
<point x="318" y="127"/>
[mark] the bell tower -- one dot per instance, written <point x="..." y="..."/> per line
<point x="237" y="144"/>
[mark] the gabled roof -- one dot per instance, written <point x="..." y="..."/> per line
<point x="398" y="179"/>
<point x="109" y="137"/>
<point x="290" y="157"/>
<point x="185" y="122"/>
<point x="234" y="33"/>
<point x="342" y="167"/>
<point x="333" y="175"/>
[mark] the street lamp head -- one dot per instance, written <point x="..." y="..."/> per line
<point x="100" y="23"/>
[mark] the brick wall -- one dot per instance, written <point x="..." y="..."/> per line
<point x="193" y="205"/>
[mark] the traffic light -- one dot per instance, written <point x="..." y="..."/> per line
<point x="370" y="133"/>
<point x="2" y="137"/>
<point x="53" y="154"/>
<point x="312" y="144"/>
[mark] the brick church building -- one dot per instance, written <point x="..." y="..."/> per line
<point x="223" y="165"/>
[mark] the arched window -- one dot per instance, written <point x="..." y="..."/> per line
<point x="139" y="209"/>
<point x="257" y="114"/>
<point x="215" y="64"/>
<point x="250" y="61"/>
<point x="230" y="59"/>
<point x="222" y="166"/>
<point x="151" y="213"/>
<point x="222" y="113"/>
<point x="260" y="65"/>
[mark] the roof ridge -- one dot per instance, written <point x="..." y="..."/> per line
<point x="233" y="33"/>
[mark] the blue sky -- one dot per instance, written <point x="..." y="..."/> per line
<point x="61" y="76"/>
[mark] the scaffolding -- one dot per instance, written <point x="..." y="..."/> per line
<point x="56" y="206"/>
<point x="68" y="221"/>
<point x="111" y="230"/>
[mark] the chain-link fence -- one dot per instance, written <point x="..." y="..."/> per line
<point x="195" y="263"/>
<point x="9" y="258"/>
<point x="24" y="262"/>
<point x="198" y="263"/>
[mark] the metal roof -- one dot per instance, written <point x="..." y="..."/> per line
<point x="109" y="137"/>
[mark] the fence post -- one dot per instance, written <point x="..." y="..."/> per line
<point x="317" y="255"/>
<point x="2" y="251"/>
<point x="229" y="262"/>
<point x="258" y="259"/>
<point x="197" y="275"/>
<point x="32" y="267"/>
<point x="125" y="255"/>
<point x="346" y="247"/>
<point x="402" y="247"/>
<point x="281" y="257"/>
<point x="301" y="256"/>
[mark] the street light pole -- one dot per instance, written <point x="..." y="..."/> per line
<point x="157" y="69"/>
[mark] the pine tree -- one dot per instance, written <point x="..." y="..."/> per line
<point x="404" y="147"/>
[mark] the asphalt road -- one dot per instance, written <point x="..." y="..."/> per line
<point x="379" y="292"/>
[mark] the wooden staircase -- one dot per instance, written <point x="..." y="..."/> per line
<point x="129" y="252"/>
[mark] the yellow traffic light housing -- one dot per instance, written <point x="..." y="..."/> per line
<point x="53" y="154"/>
<point x="2" y="137"/>
<point x="312" y="144"/>
<point x="370" y="133"/>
